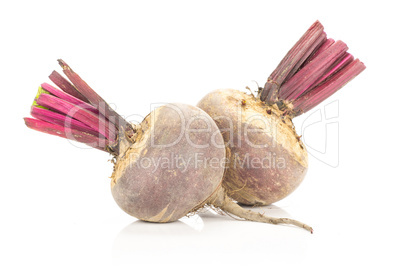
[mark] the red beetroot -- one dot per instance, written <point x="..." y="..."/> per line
<point x="268" y="161"/>
<point x="167" y="167"/>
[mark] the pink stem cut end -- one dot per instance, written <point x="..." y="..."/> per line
<point x="321" y="92"/>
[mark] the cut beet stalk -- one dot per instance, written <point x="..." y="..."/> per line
<point x="329" y="42"/>
<point x="66" y="86"/>
<point x="312" y="72"/>
<point x="40" y="91"/>
<point x="67" y="97"/>
<point x="314" y="47"/>
<point x="308" y="43"/>
<point x="93" y="97"/>
<point x="61" y="120"/>
<point x="97" y="122"/>
<point x="67" y="133"/>
<point x="318" y="94"/>
<point x="341" y="63"/>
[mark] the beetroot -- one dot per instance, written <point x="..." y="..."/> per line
<point x="162" y="177"/>
<point x="268" y="160"/>
<point x="167" y="167"/>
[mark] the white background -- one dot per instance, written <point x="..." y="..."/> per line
<point x="55" y="200"/>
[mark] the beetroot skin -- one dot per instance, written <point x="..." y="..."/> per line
<point x="166" y="180"/>
<point x="267" y="160"/>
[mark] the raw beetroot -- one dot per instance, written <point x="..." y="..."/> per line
<point x="167" y="167"/>
<point x="162" y="176"/>
<point x="268" y="160"/>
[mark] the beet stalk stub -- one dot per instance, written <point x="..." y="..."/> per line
<point x="165" y="168"/>
<point x="267" y="159"/>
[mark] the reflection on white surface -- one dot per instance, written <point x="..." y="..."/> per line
<point x="204" y="239"/>
<point x="194" y="222"/>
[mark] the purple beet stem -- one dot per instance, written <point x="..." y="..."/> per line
<point x="306" y="45"/>
<point x="329" y="42"/>
<point x="339" y="64"/>
<point x="93" y="97"/>
<point x="67" y="133"/>
<point x="70" y="114"/>
<point x="306" y="77"/>
<point x="314" y="97"/>
<point x="67" y="97"/>
<point x="311" y="71"/>
<point x="61" y="120"/>
<point x="66" y="86"/>
<point x="98" y="123"/>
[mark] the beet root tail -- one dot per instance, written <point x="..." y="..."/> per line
<point x="222" y="201"/>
